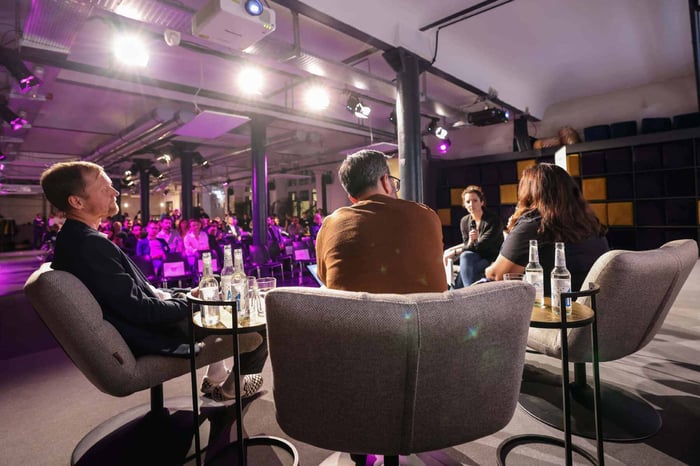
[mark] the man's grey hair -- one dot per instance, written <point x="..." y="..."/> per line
<point x="361" y="171"/>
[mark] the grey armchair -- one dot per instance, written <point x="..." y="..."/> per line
<point x="637" y="290"/>
<point x="437" y="369"/>
<point x="74" y="318"/>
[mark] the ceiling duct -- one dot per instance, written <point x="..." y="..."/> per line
<point x="147" y="137"/>
<point x="53" y="25"/>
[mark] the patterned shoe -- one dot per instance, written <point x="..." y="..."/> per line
<point x="252" y="383"/>
<point x="208" y="385"/>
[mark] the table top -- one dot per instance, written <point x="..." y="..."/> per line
<point x="543" y="317"/>
<point x="226" y="322"/>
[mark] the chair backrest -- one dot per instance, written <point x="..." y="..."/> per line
<point x="145" y="265"/>
<point x="74" y="318"/>
<point x="301" y="255"/>
<point x="637" y="290"/>
<point x="397" y="374"/>
<point x="174" y="269"/>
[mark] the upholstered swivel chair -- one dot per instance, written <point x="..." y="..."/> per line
<point x="637" y="290"/>
<point x="74" y="318"/>
<point x="397" y="374"/>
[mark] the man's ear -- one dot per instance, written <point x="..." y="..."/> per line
<point x="352" y="199"/>
<point x="75" y="201"/>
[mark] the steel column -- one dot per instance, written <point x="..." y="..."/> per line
<point x="258" y="129"/>
<point x="695" y="31"/>
<point x="408" y="67"/>
<point x="186" y="188"/>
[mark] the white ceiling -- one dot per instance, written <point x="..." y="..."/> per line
<point x="533" y="53"/>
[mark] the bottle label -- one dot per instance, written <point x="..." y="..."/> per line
<point x="536" y="279"/>
<point x="560" y="286"/>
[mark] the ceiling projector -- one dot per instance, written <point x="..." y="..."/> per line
<point x="490" y="116"/>
<point x="233" y="23"/>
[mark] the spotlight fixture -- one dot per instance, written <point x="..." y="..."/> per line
<point x="155" y="173"/>
<point x="2" y="157"/>
<point x="165" y="158"/>
<point x="10" y="59"/>
<point x="316" y="98"/>
<point x="198" y="159"/>
<point x="250" y="80"/>
<point x="15" y="121"/>
<point x="253" y="7"/>
<point x="435" y="129"/>
<point x="130" y="50"/>
<point x="354" y="105"/>
<point x="444" y="146"/>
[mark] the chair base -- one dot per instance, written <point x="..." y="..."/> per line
<point x="138" y="436"/>
<point x="626" y="417"/>
<point x="513" y="442"/>
<point x="229" y="455"/>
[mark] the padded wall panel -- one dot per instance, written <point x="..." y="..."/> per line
<point x="595" y="189"/>
<point x="620" y="213"/>
<point x="456" y="196"/>
<point x="573" y="164"/>
<point x="523" y="164"/>
<point x="601" y="211"/>
<point x="445" y="217"/>
<point x="509" y="193"/>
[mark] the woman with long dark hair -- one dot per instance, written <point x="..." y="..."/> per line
<point x="550" y="209"/>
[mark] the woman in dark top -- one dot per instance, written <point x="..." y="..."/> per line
<point x="482" y="233"/>
<point x="551" y="209"/>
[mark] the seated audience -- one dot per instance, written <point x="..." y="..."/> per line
<point x="482" y="236"/>
<point x="380" y="244"/>
<point x="550" y="209"/>
<point x="151" y="321"/>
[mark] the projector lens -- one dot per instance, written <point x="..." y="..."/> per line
<point x="253" y="7"/>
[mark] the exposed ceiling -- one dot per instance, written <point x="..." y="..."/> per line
<point x="531" y="52"/>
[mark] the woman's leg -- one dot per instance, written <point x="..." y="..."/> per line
<point x="471" y="267"/>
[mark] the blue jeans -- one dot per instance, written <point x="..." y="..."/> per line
<point x="471" y="268"/>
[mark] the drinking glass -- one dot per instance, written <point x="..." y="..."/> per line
<point x="264" y="284"/>
<point x="514" y="276"/>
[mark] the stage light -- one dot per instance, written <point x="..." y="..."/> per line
<point x="253" y="7"/>
<point x="435" y="129"/>
<point x="2" y="157"/>
<point x="355" y="106"/>
<point x="198" y="159"/>
<point x="155" y="172"/>
<point x="15" y="121"/>
<point x="316" y="98"/>
<point x="250" y="80"/>
<point x="444" y="145"/>
<point x="14" y="64"/>
<point x="130" y="50"/>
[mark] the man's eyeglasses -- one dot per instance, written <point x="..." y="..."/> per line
<point x="396" y="181"/>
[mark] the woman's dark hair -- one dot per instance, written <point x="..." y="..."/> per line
<point x="472" y="188"/>
<point x="566" y="215"/>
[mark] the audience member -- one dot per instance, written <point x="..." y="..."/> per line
<point x="39" y="228"/>
<point x="380" y="244"/>
<point x="294" y="229"/>
<point x="482" y="236"/>
<point x="152" y="247"/>
<point x="171" y="237"/>
<point x="316" y="225"/>
<point x="550" y="209"/>
<point x="151" y="321"/>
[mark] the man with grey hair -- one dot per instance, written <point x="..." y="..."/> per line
<point x="380" y="244"/>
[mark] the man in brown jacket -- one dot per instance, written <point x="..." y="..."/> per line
<point x="380" y="244"/>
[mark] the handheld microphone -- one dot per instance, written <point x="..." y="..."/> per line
<point x="472" y="225"/>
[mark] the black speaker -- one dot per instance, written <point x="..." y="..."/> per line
<point x="522" y="139"/>
<point x="230" y="191"/>
<point x="327" y="178"/>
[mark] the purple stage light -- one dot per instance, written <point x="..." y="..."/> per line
<point x="25" y="84"/>
<point x="18" y="123"/>
<point x="444" y="145"/>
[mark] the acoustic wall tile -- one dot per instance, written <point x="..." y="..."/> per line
<point x="456" y="196"/>
<point x="509" y="193"/>
<point x="573" y="164"/>
<point x="601" y="211"/>
<point x="445" y="217"/>
<point x="620" y="213"/>
<point x="523" y="164"/>
<point x="595" y="189"/>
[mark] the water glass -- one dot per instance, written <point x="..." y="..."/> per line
<point x="264" y="284"/>
<point x="514" y="276"/>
